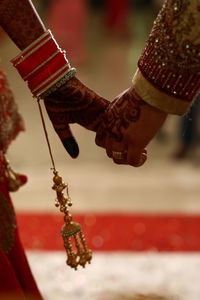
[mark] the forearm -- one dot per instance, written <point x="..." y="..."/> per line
<point x="168" y="75"/>
<point x="20" y="21"/>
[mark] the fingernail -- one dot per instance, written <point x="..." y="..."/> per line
<point x="71" y="146"/>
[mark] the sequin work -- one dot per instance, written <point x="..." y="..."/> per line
<point x="171" y="59"/>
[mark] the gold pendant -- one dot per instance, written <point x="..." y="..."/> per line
<point x="74" y="240"/>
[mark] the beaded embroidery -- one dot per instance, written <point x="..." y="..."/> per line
<point x="10" y="120"/>
<point x="171" y="59"/>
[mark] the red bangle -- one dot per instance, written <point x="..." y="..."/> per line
<point x="35" y="59"/>
<point x="48" y="83"/>
<point x="47" y="70"/>
<point x="32" y="47"/>
<point x="42" y="64"/>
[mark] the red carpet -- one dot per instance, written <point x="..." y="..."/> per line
<point x="115" y="232"/>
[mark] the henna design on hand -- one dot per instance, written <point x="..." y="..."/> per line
<point x="122" y="111"/>
<point x="75" y="103"/>
<point x="20" y="21"/>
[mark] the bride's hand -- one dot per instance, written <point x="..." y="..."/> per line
<point x="74" y="103"/>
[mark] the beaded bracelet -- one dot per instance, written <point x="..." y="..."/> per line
<point x="43" y="64"/>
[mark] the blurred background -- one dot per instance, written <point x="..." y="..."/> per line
<point x="142" y="224"/>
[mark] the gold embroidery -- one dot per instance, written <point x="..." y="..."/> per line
<point x="176" y="35"/>
<point x="171" y="59"/>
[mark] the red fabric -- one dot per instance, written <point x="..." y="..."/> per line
<point x="22" y="272"/>
<point x="16" y="278"/>
<point x="68" y="21"/>
<point x="115" y="232"/>
<point x="8" y="280"/>
<point x="117" y="16"/>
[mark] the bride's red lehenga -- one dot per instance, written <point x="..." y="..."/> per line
<point x="16" y="279"/>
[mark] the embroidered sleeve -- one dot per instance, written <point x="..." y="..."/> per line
<point x="10" y="120"/>
<point x="168" y="74"/>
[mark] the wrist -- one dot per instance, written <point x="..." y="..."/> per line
<point x="152" y="116"/>
<point x="156" y="111"/>
<point x="155" y="97"/>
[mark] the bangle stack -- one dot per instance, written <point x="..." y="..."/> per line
<point x="43" y="64"/>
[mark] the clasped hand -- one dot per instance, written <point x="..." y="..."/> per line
<point x="123" y="127"/>
<point x="127" y="127"/>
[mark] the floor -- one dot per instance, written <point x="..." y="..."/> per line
<point x="162" y="186"/>
<point x="175" y="276"/>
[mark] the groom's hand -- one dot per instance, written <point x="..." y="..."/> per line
<point x="127" y="127"/>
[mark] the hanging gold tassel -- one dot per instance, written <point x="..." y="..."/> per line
<point x="74" y="240"/>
